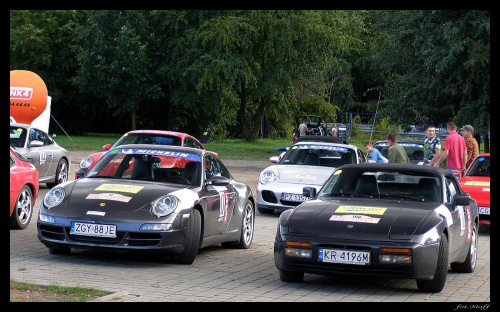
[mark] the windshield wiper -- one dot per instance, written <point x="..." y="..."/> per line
<point x="406" y="196"/>
<point x="344" y="194"/>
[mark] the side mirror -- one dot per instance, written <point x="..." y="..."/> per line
<point x="217" y="181"/>
<point x="309" y="192"/>
<point x="461" y="200"/>
<point x="36" y="143"/>
<point x="81" y="172"/>
<point x="274" y="159"/>
<point x="106" y="147"/>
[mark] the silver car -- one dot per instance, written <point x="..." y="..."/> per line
<point x="51" y="160"/>
<point x="308" y="163"/>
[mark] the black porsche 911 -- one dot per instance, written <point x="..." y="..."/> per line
<point x="149" y="197"/>
<point x="385" y="220"/>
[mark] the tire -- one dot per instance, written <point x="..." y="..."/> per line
<point x="59" y="250"/>
<point x="439" y="280"/>
<point x="469" y="264"/>
<point x="247" y="228"/>
<point x="291" y="276"/>
<point x="192" y="238"/>
<point x="23" y="211"/>
<point x="61" y="173"/>
<point x="265" y="210"/>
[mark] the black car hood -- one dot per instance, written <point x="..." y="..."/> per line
<point x="134" y="194"/>
<point x="399" y="220"/>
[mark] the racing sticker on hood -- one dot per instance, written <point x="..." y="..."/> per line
<point x="302" y="176"/>
<point x="361" y="209"/>
<point x="134" y="189"/>
<point x="486" y="189"/>
<point x="354" y="218"/>
<point x="110" y="196"/>
<point x="477" y="183"/>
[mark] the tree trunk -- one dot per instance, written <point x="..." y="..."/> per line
<point x="242" y="112"/>
<point x="486" y="142"/>
<point x="133" y="120"/>
<point x="253" y="133"/>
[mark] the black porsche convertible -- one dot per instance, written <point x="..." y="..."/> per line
<point x="385" y="220"/>
<point x="149" y="197"/>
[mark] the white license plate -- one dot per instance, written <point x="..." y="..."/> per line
<point x="344" y="256"/>
<point x="91" y="229"/>
<point x="483" y="210"/>
<point x="293" y="197"/>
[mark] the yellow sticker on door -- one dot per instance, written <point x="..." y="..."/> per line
<point x="120" y="188"/>
<point x="361" y="209"/>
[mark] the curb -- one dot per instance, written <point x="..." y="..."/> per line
<point x="117" y="296"/>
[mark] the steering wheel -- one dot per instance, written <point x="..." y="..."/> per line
<point x="16" y="143"/>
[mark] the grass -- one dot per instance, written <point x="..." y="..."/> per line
<point x="86" y="142"/>
<point x="35" y="293"/>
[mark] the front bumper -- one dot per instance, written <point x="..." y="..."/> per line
<point x="423" y="265"/>
<point x="128" y="235"/>
<point x="269" y="196"/>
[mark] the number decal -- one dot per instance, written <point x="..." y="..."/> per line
<point x="43" y="157"/>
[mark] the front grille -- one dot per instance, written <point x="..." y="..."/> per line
<point x="332" y="268"/>
<point x="290" y="203"/>
<point x="143" y="239"/>
<point x="269" y="197"/>
<point x="96" y="240"/>
<point x="52" y="232"/>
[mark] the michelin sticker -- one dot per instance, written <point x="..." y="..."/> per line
<point x="324" y="147"/>
<point x="160" y="153"/>
<point x="110" y="196"/>
<point x="354" y="218"/>
<point x="361" y="209"/>
<point x="119" y="188"/>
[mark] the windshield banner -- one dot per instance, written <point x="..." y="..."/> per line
<point x="324" y="147"/>
<point x="142" y="151"/>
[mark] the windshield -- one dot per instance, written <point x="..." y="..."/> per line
<point x="319" y="155"/>
<point x="151" y="165"/>
<point x="148" y="138"/>
<point x="17" y="136"/>
<point x="480" y="167"/>
<point x="415" y="150"/>
<point x="390" y="184"/>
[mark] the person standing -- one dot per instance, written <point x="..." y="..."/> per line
<point x="397" y="153"/>
<point x="432" y="146"/>
<point x="334" y="131"/>
<point x="374" y="154"/>
<point x="303" y="130"/>
<point x="454" y="150"/>
<point x="470" y="143"/>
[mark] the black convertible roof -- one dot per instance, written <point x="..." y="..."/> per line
<point x="395" y="167"/>
<point x="191" y="150"/>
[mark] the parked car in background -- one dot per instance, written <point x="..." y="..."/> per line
<point x="51" y="160"/>
<point x="130" y="201"/>
<point x="476" y="182"/>
<point x="415" y="150"/>
<point x="23" y="190"/>
<point x="381" y="220"/>
<point x="306" y="163"/>
<point x="157" y="137"/>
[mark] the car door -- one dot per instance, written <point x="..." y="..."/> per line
<point x="458" y="230"/>
<point x="361" y="157"/>
<point x="40" y="156"/>
<point x="220" y="199"/>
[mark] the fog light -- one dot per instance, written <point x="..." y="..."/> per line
<point x="298" y="252"/>
<point x="46" y="218"/>
<point x="156" y="227"/>
<point x="399" y="259"/>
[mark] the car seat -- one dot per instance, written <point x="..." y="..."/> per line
<point x="311" y="160"/>
<point x="347" y="158"/>
<point x="367" y="185"/>
<point x="429" y="189"/>
<point x="142" y="169"/>
<point x="417" y="155"/>
<point x="190" y="172"/>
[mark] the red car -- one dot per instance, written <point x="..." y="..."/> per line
<point x="143" y="137"/>
<point x="23" y="190"/>
<point x="476" y="182"/>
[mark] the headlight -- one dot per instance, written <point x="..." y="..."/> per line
<point x="268" y="176"/>
<point x="54" y="197"/>
<point x="164" y="205"/>
<point x="86" y="162"/>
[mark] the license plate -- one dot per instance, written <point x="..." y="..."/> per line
<point x="91" y="229"/>
<point x="484" y="210"/>
<point x="293" y="197"/>
<point x="344" y="256"/>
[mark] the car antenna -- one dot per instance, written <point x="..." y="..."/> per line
<point x="62" y="129"/>
<point x="374" y="118"/>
